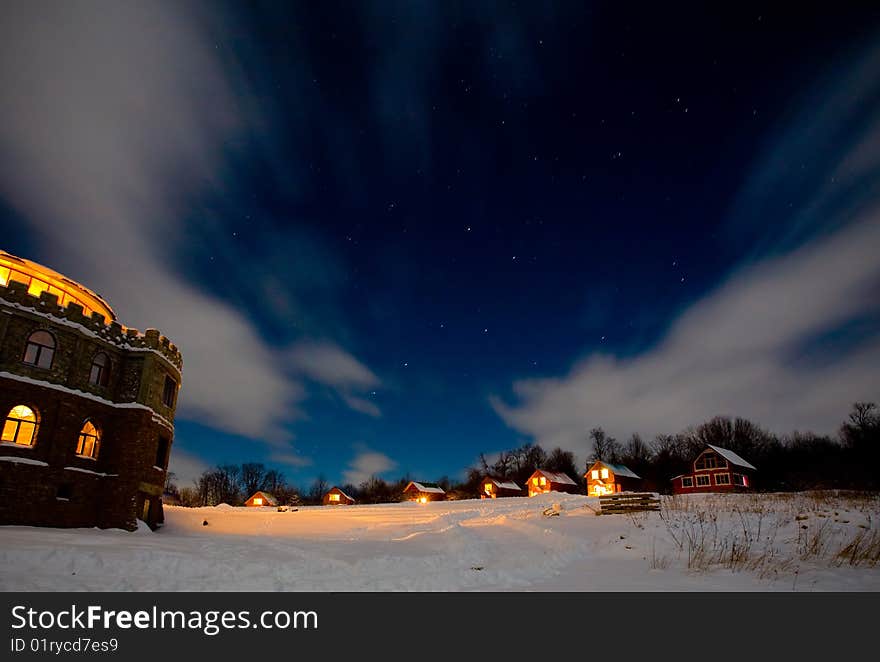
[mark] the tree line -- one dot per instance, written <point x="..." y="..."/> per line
<point x="797" y="461"/>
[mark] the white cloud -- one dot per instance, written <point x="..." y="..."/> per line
<point x="754" y="345"/>
<point x="737" y="352"/>
<point x="367" y="463"/>
<point x="186" y="467"/>
<point x="114" y="124"/>
<point x="329" y="364"/>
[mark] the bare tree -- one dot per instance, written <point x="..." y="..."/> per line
<point x="605" y="448"/>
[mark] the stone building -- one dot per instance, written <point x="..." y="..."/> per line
<point x="87" y="406"/>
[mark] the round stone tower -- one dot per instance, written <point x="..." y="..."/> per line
<point x="87" y="406"/>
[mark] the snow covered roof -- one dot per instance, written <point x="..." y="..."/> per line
<point x="731" y="457"/>
<point x="504" y="485"/>
<point x="421" y="487"/>
<point x="554" y="477"/>
<point x="338" y="491"/>
<point x="617" y="469"/>
<point x="268" y="498"/>
<point x="621" y="470"/>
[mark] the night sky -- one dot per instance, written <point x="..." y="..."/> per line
<point x="389" y="236"/>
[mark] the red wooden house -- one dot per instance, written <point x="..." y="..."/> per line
<point x="258" y="499"/>
<point x="423" y="492"/>
<point x="606" y="478"/>
<point x="492" y="488"/>
<point x="543" y="481"/>
<point x="716" y="469"/>
<point x="337" y="497"/>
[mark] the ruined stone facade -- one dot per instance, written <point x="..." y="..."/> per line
<point x="92" y="446"/>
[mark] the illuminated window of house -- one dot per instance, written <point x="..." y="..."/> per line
<point x="595" y="474"/>
<point x="703" y="481"/>
<point x="687" y="481"/>
<point x="99" y="375"/>
<point x="4" y="276"/>
<point x="169" y="391"/>
<point x="334" y="497"/>
<point x="488" y="488"/>
<point x="40" y="349"/>
<point x="604" y="474"/>
<point x="20" y="426"/>
<point x="534" y="481"/>
<point x="89" y="441"/>
<point x="258" y="501"/>
<point x="543" y="480"/>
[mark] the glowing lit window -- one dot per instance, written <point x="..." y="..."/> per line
<point x="99" y="375"/>
<point x="89" y="442"/>
<point x="4" y="276"/>
<point x="703" y="481"/>
<point x="20" y="426"/>
<point x="423" y="499"/>
<point x="534" y="481"/>
<point x="334" y="497"/>
<point x="604" y="473"/>
<point x="40" y="349"/>
<point x="36" y="287"/>
<point x="488" y="488"/>
<point x="543" y="480"/>
<point x="258" y="501"/>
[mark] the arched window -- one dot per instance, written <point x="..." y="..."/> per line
<point x="20" y="426"/>
<point x="40" y="349"/>
<point x="89" y="442"/>
<point x="99" y="375"/>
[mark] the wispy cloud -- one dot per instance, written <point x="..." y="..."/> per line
<point x="186" y="467"/>
<point x="116" y="122"/>
<point x="332" y="366"/>
<point x="789" y="340"/>
<point x="367" y="463"/>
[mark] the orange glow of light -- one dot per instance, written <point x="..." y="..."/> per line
<point x="258" y="501"/>
<point x="423" y="499"/>
<point x="41" y="279"/>
<point x="334" y="497"/>
<point x="599" y="490"/>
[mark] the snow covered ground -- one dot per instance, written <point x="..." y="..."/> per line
<point x="705" y="542"/>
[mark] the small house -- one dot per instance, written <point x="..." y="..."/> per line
<point x="492" y="488"/>
<point x="716" y="469"/>
<point x="606" y="478"/>
<point x="423" y="492"/>
<point x="259" y="499"/>
<point x="337" y="497"/>
<point x="543" y="481"/>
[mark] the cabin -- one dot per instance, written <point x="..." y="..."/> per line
<point x="423" y="492"/>
<point x="716" y="469"/>
<point x="606" y="478"/>
<point x="337" y="497"/>
<point x="259" y="499"/>
<point x="492" y="488"/>
<point x="543" y="481"/>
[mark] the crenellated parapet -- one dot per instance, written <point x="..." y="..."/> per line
<point x="113" y="332"/>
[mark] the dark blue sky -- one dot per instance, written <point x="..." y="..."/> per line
<point x="443" y="226"/>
